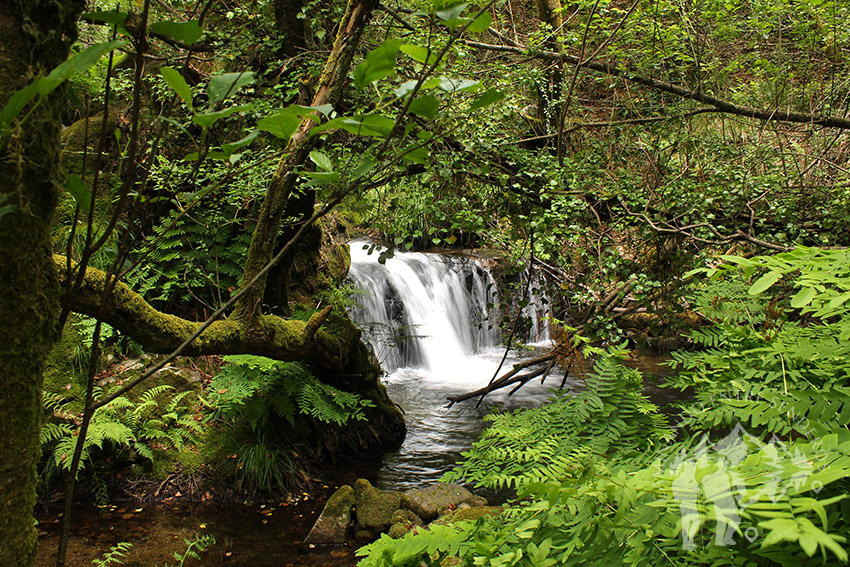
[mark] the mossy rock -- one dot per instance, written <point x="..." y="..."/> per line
<point x="432" y="501"/>
<point x="375" y="508"/>
<point x="332" y="525"/>
<point x="404" y="521"/>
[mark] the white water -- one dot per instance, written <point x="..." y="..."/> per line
<point x="428" y="318"/>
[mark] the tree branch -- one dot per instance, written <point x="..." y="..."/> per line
<point x="160" y="332"/>
<point x="720" y="104"/>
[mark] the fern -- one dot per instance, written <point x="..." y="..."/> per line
<point x="758" y="474"/>
<point x="114" y="556"/>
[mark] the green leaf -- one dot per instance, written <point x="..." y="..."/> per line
<point x="373" y="125"/>
<point x="78" y="189"/>
<point x="803" y="297"/>
<point x="232" y="147"/>
<point x="481" y="23"/>
<point x="764" y="282"/>
<point x="415" y="154"/>
<point x="178" y="84"/>
<point x="317" y="178"/>
<point x="106" y="17"/>
<point x="43" y="86"/>
<point x="452" y="85"/>
<point x="282" y="125"/>
<point x="419" y="54"/>
<point x="321" y="160"/>
<point x="364" y="167"/>
<point x="208" y="119"/>
<point x="425" y="106"/>
<point x="184" y="32"/>
<point x="225" y="86"/>
<point x="379" y="63"/>
<point x="453" y="12"/>
<point x="77" y="64"/>
<point x="488" y="97"/>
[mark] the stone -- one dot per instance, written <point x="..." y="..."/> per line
<point x="404" y="521"/>
<point x="374" y="507"/>
<point x="332" y="525"/>
<point x="433" y="501"/>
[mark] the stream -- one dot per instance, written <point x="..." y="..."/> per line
<point x="429" y="319"/>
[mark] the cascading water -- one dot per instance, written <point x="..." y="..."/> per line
<point x="428" y="318"/>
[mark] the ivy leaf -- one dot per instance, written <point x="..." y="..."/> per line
<point x="379" y="63"/>
<point x="425" y="106"/>
<point x="184" y="32"/>
<point x="225" y="86"/>
<point x="488" y="97"/>
<point x="178" y="84"/>
<point x="79" y="190"/>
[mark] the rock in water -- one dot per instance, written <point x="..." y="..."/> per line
<point x="375" y="507"/>
<point x="332" y="525"/>
<point x="432" y="501"/>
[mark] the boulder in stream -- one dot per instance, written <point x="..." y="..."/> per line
<point x="375" y="508"/>
<point x="435" y="500"/>
<point x="332" y="525"/>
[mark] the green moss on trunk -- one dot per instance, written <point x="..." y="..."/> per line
<point x="34" y="38"/>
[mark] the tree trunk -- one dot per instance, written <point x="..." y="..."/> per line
<point x="34" y="37"/>
<point x="549" y="92"/>
<point x="265" y="235"/>
<point x="290" y="26"/>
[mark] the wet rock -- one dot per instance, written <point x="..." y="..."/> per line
<point x="432" y="501"/>
<point x="375" y="508"/>
<point x="404" y="521"/>
<point x="332" y="525"/>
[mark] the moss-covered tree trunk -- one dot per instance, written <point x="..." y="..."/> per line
<point x="34" y="37"/>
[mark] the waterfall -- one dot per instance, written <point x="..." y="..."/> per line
<point x="430" y="311"/>
<point x="431" y="321"/>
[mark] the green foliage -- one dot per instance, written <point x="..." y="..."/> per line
<point x="758" y="474"/>
<point x="157" y="420"/>
<point x="608" y="416"/>
<point x="114" y="556"/>
<point x="194" y="547"/>
<point x="257" y="389"/>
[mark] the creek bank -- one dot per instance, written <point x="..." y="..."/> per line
<point x="370" y="511"/>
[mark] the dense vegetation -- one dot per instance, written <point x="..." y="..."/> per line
<point x="213" y="159"/>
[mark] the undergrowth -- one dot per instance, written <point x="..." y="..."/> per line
<point x="752" y="471"/>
